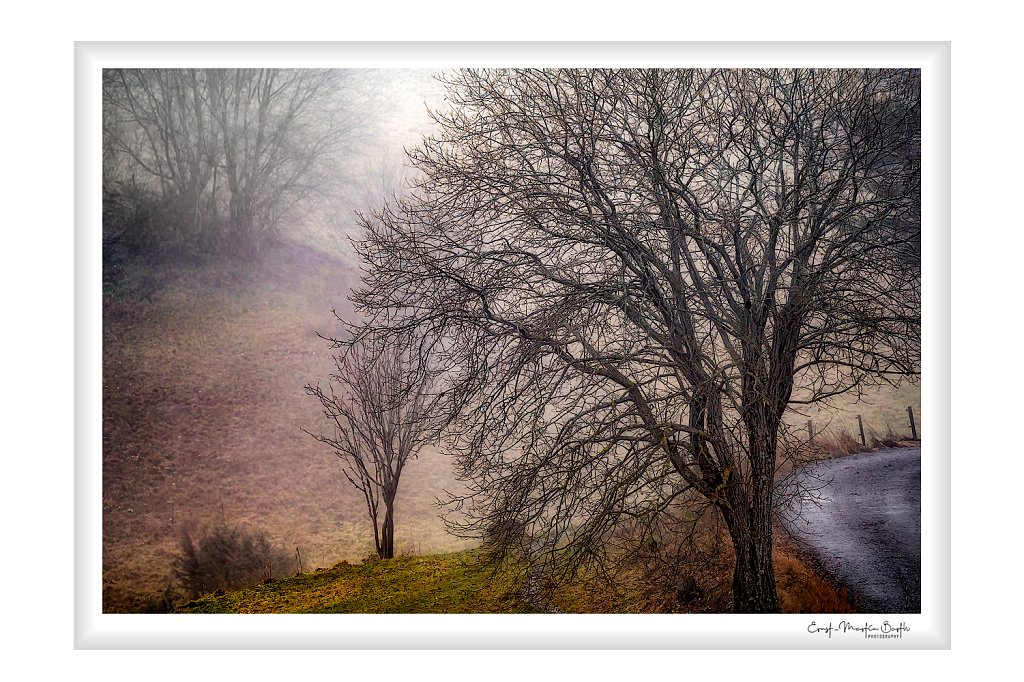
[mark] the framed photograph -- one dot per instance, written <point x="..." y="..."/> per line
<point x="535" y="346"/>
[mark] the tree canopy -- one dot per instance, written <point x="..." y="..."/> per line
<point x="379" y="407"/>
<point x="220" y="157"/>
<point x="633" y="275"/>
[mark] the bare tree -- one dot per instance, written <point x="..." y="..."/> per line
<point x="379" y="406"/>
<point x="636" y="274"/>
<point x="231" y="152"/>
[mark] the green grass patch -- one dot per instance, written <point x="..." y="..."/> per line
<point x="459" y="583"/>
<point x="440" y="583"/>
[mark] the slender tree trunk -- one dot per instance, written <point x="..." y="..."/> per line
<point x="388" y="543"/>
<point x="377" y="540"/>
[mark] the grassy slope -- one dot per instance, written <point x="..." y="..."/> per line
<point x="203" y="408"/>
<point x="456" y="583"/>
<point x="440" y="583"/>
<point x="879" y="410"/>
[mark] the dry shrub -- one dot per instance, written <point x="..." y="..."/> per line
<point x="695" y="573"/>
<point x="839" y="442"/>
<point x="223" y="558"/>
<point x="692" y="572"/>
<point x="683" y="564"/>
<point x="707" y="558"/>
<point x="888" y="439"/>
<point x="145" y="223"/>
<point x="163" y="602"/>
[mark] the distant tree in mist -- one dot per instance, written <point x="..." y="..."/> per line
<point x="214" y="160"/>
<point x="379" y="408"/>
<point x="635" y="275"/>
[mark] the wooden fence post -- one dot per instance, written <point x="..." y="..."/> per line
<point x="810" y="430"/>
<point x="860" y="425"/>
<point x="913" y="425"/>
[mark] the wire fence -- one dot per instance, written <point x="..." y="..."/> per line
<point x="911" y="425"/>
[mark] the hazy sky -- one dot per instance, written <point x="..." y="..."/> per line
<point x="406" y="93"/>
<point x="393" y="116"/>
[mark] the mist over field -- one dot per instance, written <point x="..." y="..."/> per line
<point x="212" y="338"/>
<point x="204" y="368"/>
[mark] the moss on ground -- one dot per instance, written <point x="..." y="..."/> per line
<point x="440" y="583"/>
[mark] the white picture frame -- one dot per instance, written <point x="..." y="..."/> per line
<point x="931" y="629"/>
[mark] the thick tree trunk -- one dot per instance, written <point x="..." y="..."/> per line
<point x="753" y="580"/>
<point x="748" y="514"/>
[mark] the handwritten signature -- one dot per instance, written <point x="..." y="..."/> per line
<point x="884" y="631"/>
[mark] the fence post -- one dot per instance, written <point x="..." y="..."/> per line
<point x="810" y="430"/>
<point x="913" y="425"/>
<point x="860" y="425"/>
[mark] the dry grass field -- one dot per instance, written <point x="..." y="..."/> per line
<point x="203" y="410"/>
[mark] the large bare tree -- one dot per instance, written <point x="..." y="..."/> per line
<point x="636" y="273"/>
<point x="379" y="406"/>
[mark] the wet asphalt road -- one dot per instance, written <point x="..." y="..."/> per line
<point x="865" y="529"/>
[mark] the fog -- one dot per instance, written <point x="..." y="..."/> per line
<point x="204" y="368"/>
<point x="230" y="203"/>
<point x="387" y="114"/>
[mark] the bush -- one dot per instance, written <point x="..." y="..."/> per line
<point x="839" y="442"/>
<point x="145" y="224"/>
<point x="139" y="221"/>
<point x="889" y="439"/>
<point x="228" y="559"/>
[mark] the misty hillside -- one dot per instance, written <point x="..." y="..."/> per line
<point x="612" y="338"/>
<point x="205" y="360"/>
<point x="203" y="411"/>
<point x="203" y="408"/>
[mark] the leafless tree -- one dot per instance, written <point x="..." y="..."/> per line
<point x="229" y="151"/>
<point x="636" y="273"/>
<point x="379" y="405"/>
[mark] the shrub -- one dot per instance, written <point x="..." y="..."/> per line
<point x="837" y="442"/>
<point x="161" y="602"/>
<point x="141" y="223"/>
<point x="889" y="439"/>
<point x="228" y="558"/>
